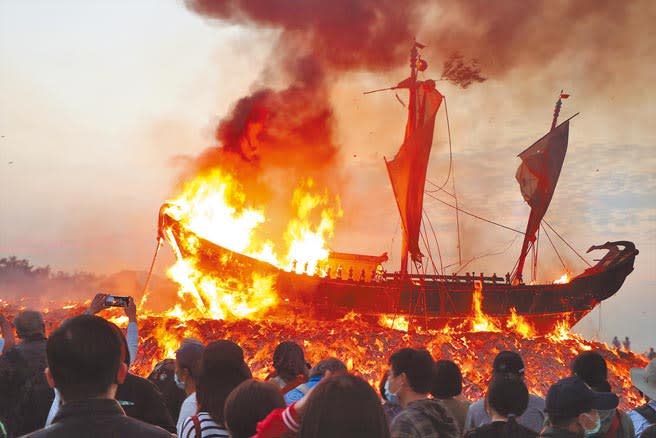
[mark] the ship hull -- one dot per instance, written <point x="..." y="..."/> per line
<point x="432" y="301"/>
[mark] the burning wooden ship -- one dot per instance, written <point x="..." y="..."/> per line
<point x="342" y="282"/>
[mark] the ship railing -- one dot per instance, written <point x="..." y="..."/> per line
<point x="460" y="279"/>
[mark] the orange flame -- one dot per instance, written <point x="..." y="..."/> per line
<point x="564" y="279"/>
<point x="214" y="207"/>
<point x="480" y="322"/>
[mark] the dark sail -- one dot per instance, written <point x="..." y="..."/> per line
<point x="537" y="177"/>
<point x="407" y="171"/>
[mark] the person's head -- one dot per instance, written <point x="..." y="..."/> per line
<point x="650" y="432"/>
<point x="411" y="373"/>
<point x="29" y="324"/>
<point x="344" y="406"/>
<point x="644" y="379"/>
<point x="328" y="367"/>
<point x="289" y="361"/>
<point x="248" y="404"/>
<point x="86" y="358"/>
<point x="447" y="382"/>
<point x="508" y="364"/>
<point x="187" y="364"/>
<point x="572" y="405"/>
<point x="222" y="369"/>
<point x="591" y="367"/>
<point x="507" y="397"/>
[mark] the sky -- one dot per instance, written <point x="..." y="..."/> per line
<point x="104" y="104"/>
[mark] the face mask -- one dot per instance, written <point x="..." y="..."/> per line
<point x="604" y="416"/>
<point x="596" y="427"/>
<point x="178" y="383"/>
<point x="392" y="398"/>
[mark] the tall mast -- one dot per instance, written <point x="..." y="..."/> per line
<point x="412" y="125"/>
<point x="536" y="214"/>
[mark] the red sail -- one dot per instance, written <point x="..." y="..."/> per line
<point x="537" y="177"/>
<point x="407" y="171"/>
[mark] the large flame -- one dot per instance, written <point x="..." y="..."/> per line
<point x="214" y="207"/>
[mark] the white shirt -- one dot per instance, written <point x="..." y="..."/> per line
<point x="188" y="408"/>
<point x="208" y="428"/>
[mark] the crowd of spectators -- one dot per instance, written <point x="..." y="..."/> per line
<point x="76" y="383"/>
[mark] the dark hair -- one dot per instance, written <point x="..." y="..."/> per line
<point x="249" y="403"/>
<point x="447" y="382"/>
<point x="84" y="356"/>
<point x="418" y="366"/>
<point x="29" y="324"/>
<point x="331" y="364"/>
<point x="289" y="361"/>
<point x="591" y="367"/>
<point x="508" y="397"/>
<point x="344" y="406"/>
<point x="650" y="432"/>
<point x="222" y="370"/>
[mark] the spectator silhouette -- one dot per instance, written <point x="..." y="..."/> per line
<point x="248" y="404"/>
<point x="290" y="367"/>
<point x="25" y="395"/>
<point x="591" y="367"/>
<point x="325" y="368"/>
<point x="644" y="379"/>
<point x="344" y="406"/>
<point x="506" y="399"/>
<point x="187" y="370"/>
<point x="508" y="364"/>
<point x="411" y="379"/>
<point x="572" y="408"/>
<point x="447" y="388"/>
<point x="222" y="370"/>
<point x="86" y="360"/>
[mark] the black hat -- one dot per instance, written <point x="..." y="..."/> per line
<point x="508" y="362"/>
<point x="570" y="397"/>
<point x="591" y="367"/>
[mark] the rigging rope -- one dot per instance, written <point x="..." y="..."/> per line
<point x="473" y="215"/>
<point x="554" y="248"/>
<point x="566" y="243"/>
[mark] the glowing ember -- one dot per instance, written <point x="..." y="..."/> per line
<point x="394" y="322"/>
<point x="366" y="347"/>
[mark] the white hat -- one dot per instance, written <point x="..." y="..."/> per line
<point x="645" y="379"/>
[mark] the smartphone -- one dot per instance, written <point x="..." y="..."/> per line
<point x="116" y="301"/>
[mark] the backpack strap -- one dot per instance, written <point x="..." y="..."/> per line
<point x="647" y="412"/>
<point x="196" y="421"/>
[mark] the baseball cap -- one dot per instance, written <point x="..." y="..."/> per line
<point x="571" y="397"/>
<point x="508" y="362"/>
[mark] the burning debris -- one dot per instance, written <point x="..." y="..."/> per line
<point x="366" y="346"/>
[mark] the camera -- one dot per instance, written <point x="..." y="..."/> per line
<point x="116" y="301"/>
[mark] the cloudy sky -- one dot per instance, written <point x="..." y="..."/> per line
<point x="105" y="103"/>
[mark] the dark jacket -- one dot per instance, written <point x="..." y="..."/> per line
<point x="141" y="399"/>
<point x="97" y="418"/>
<point x="500" y="429"/>
<point x="426" y="419"/>
<point x="555" y="432"/>
<point x="25" y="396"/>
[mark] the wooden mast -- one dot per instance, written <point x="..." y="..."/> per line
<point x="527" y="239"/>
<point x="412" y="125"/>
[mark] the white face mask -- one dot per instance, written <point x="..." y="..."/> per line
<point x="596" y="427"/>
<point x="180" y="384"/>
<point x="392" y="398"/>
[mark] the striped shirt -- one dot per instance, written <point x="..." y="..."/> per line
<point x="208" y="428"/>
